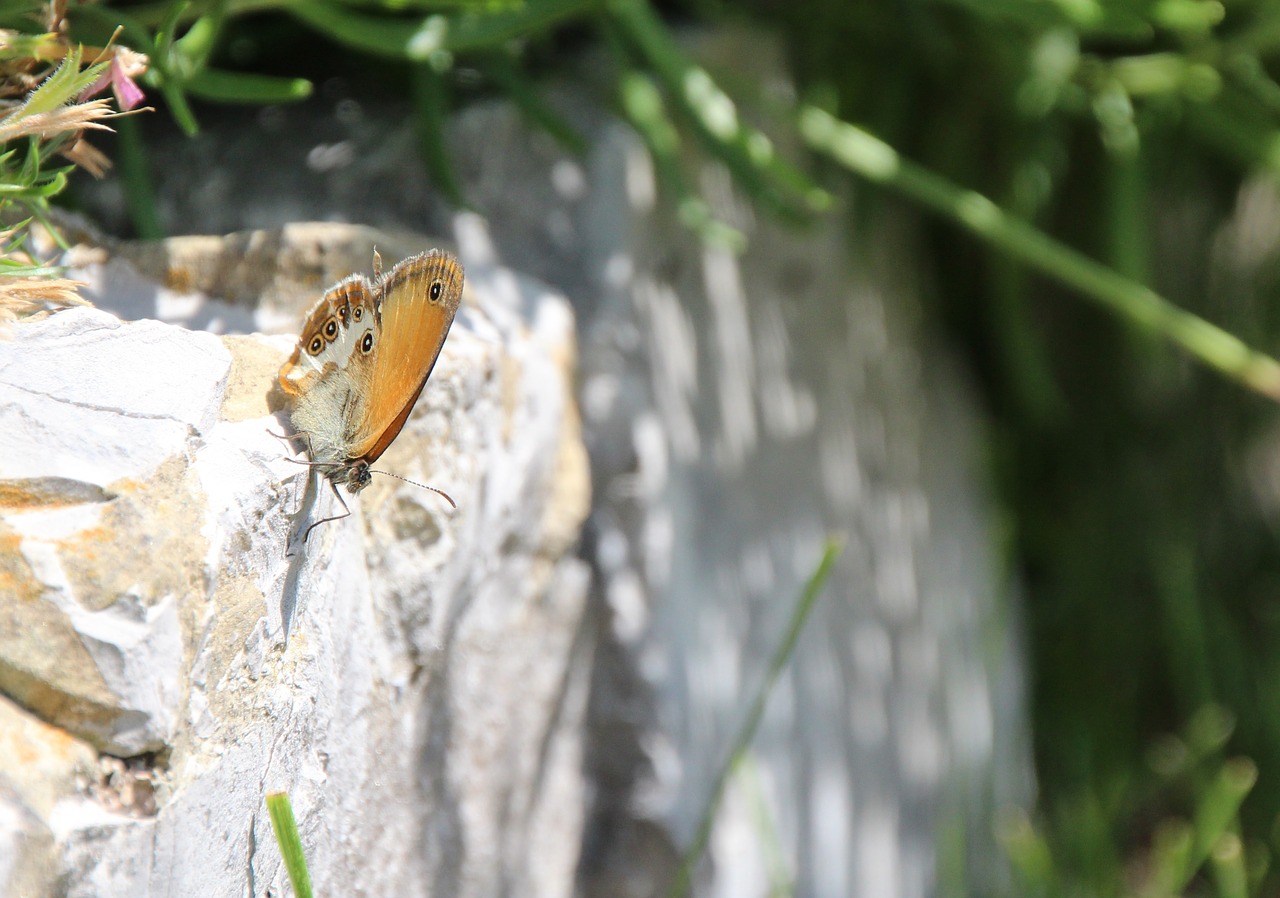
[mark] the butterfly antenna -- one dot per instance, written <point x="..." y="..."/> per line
<point x="447" y="497"/>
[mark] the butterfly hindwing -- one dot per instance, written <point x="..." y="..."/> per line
<point x="326" y="376"/>
<point x="328" y="334"/>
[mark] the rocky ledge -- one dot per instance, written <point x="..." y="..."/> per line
<point x="415" y="678"/>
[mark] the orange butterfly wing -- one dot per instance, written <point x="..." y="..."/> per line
<point x="416" y="303"/>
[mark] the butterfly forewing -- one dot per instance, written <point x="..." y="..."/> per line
<point x="416" y="303"/>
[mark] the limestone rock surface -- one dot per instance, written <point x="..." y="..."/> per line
<point x="424" y="712"/>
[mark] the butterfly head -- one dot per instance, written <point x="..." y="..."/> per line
<point x="355" y="475"/>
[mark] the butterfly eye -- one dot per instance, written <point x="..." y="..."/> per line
<point x="331" y="329"/>
<point x="316" y="344"/>
<point x="436" y="289"/>
<point x="366" y="345"/>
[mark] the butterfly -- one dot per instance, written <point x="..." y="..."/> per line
<point x="363" y="356"/>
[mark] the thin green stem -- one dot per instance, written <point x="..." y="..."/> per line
<point x="872" y="158"/>
<point x="775" y="862"/>
<point x="747" y="152"/>
<point x="642" y="105"/>
<point x="138" y="192"/>
<point x="742" y="741"/>
<point x="431" y="100"/>
<point x="418" y="39"/>
<point x="502" y="68"/>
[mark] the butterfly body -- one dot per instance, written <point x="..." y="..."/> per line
<point x="363" y="356"/>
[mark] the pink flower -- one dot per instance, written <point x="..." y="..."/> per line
<point x="124" y="67"/>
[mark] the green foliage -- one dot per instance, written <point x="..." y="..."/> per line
<point x="180" y="64"/>
<point x="1119" y="138"/>
<point x="1192" y="841"/>
<point x="31" y="135"/>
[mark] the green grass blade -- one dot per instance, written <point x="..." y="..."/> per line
<point x="431" y="100"/>
<point x="503" y="70"/>
<point x="136" y="178"/>
<point x="1230" y="871"/>
<point x="781" y="655"/>
<point x="286" y="830"/>
<point x="179" y="108"/>
<point x="1216" y="811"/>
<point x="774" y="856"/>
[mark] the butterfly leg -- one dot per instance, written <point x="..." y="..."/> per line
<point x="307" y="464"/>
<point x="346" y="512"/>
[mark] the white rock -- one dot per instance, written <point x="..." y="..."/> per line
<point x="425" y="711"/>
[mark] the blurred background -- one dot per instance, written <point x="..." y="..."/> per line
<point x="1090" y="187"/>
